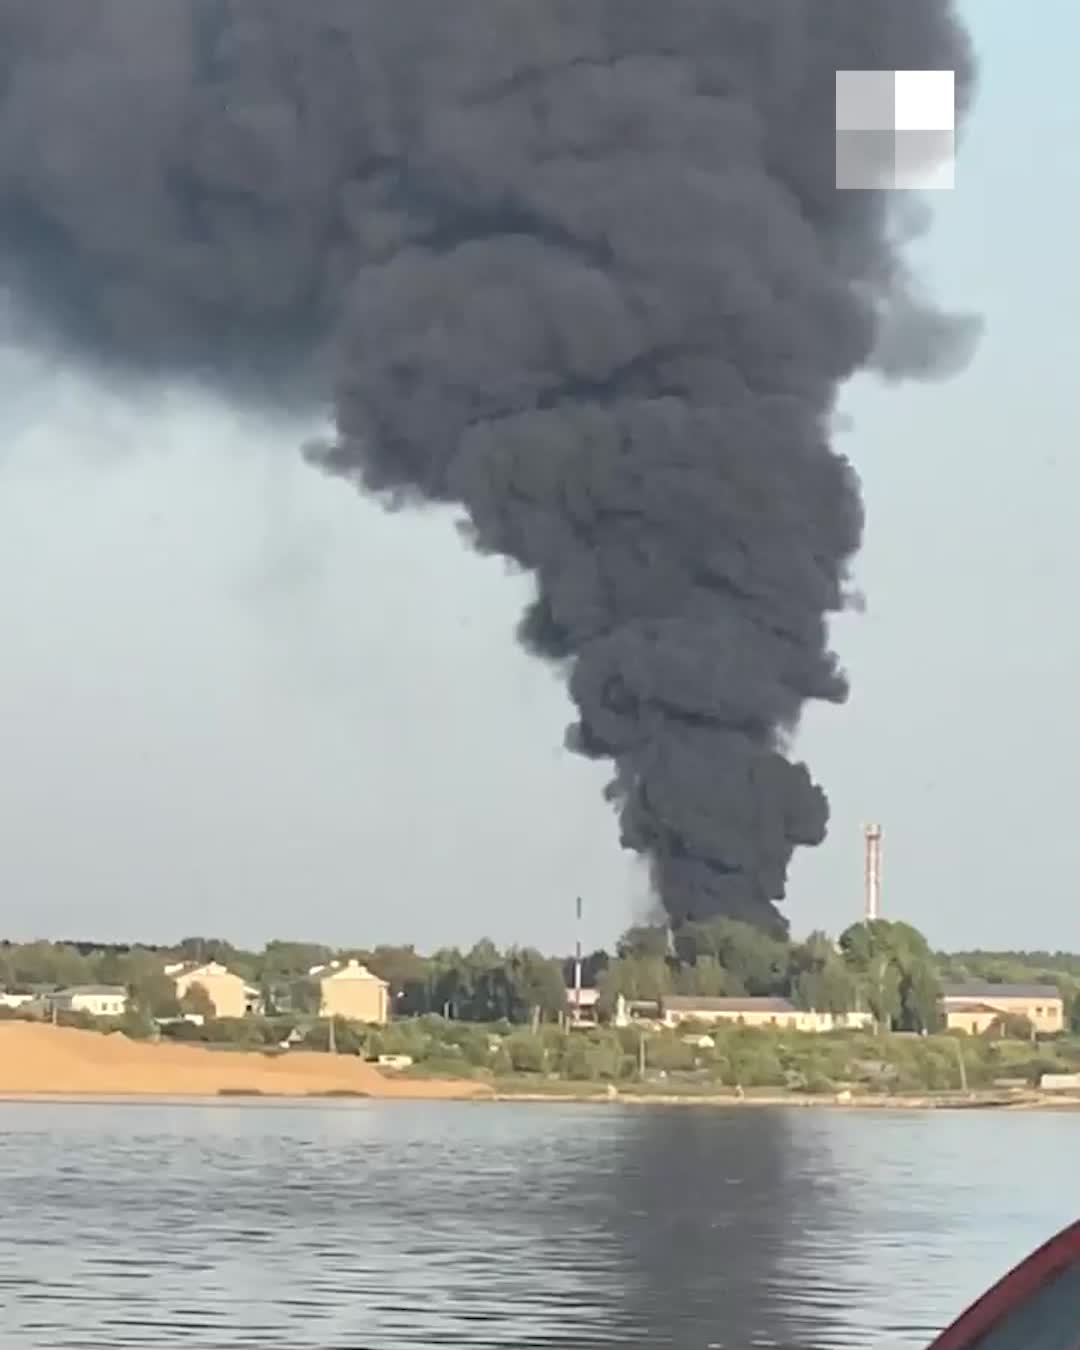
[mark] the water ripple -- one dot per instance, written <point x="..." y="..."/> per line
<point x="389" y="1226"/>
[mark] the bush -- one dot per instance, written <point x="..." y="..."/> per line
<point x="588" y="1058"/>
<point x="817" y="1083"/>
<point x="183" y="1031"/>
<point x="1010" y="1026"/>
<point x="448" y="1066"/>
<point x="526" y="1052"/>
<point x="759" y="1068"/>
<point x="349" y="1039"/>
<point x="667" y="1052"/>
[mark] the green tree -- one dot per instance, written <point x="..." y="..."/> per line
<point x="538" y="984"/>
<point x="755" y="960"/>
<point x="707" y="978"/>
<point x="491" y="984"/>
<point x="197" y="1000"/>
<point x="1010" y="1026"/>
<point x="526" y="1052"/>
<point x="304" y="995"/>
<point x="153" y="995"/>
<point x="895" y="973"/>
<point x="819" y="978"/>
<point x="644" y="942"/>
<point x="642" y="978"/>
<point x="453" y="987"/>
<point x="47" y="963"/>
<point x="283" y="962"/>
<point x="408" y="974"/>
<point x="201" y="949"/>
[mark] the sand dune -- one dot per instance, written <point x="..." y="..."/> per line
<point x="36" y="1058"/>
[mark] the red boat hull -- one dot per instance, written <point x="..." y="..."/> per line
<point x="1022" y="1289"/>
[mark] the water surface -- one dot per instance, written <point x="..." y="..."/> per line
<point x="400" y="1225"/>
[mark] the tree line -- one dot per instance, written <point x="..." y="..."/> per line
<point x="886" y="968"/>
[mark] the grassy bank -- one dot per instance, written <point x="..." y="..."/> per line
<point x="692" y="1063"/>
<point x="739" y="1062"/>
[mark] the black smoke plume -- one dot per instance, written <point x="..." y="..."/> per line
<point x="576" y="265"/>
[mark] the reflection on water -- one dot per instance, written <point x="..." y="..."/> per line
<point x="375" y="1226"/>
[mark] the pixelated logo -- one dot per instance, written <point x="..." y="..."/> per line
<point x="895" y="129"/>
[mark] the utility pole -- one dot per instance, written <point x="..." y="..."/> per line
<point x="577" y="966"/>
<point x="963" y="1066"/>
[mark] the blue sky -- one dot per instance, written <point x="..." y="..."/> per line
<point x="240" y="700"/>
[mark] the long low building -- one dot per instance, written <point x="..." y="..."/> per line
<point x="757" y="1012"/>
<point x="99" y="1000"/>
<point x="976" y="1005"/>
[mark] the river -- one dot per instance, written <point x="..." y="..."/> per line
<point x="401" y="1225"/>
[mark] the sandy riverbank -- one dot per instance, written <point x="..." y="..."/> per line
<point x="42" y="1060"/>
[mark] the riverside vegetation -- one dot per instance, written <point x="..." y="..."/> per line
<point x="496" y="1016"/>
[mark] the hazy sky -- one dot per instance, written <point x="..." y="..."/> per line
<point x="237" y="699"/>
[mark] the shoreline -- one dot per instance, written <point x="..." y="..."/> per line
<point x="42" y="1063"/>
<point x="442" y="1091"/>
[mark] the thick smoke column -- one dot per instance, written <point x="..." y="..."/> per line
<point x="581" y="268"/>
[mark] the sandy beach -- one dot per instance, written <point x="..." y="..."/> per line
<point x="43" y="1060"/>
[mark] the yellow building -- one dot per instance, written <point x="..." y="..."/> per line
<point x="226" y="991"/>
<point x="756" y="1012"/>
<point x="353" y="992"/>
<point x="976" y="1006"/>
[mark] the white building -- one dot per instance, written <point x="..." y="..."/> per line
<point x="99" y="1000"/>
<point x="8" y="1000"/>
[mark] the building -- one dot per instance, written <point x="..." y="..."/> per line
<point x="99" y="1000"/>
<point x="12" y="1000"/>
<point x="583" y="1007"/>
<point x="226" y="991"/>
<point x="353" y="992"/>
<point x="757" y="1012"/>
<point x="976" y="1006"/>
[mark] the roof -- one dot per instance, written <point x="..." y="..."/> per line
<point x="98" y="990"/>
<point x="352" y="970"/>
<point x="214" y="969"/>
<point x="696" y="1003"/>
<point x="977" y="990"/>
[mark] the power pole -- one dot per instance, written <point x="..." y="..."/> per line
<point x="577" y="966"/>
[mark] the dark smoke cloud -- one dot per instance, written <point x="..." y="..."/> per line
<point x="582" y="270"/>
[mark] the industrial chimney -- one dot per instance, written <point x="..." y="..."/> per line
<point x="872" y="834"/>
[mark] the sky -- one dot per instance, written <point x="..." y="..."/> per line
<point x="237" y="699"/>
